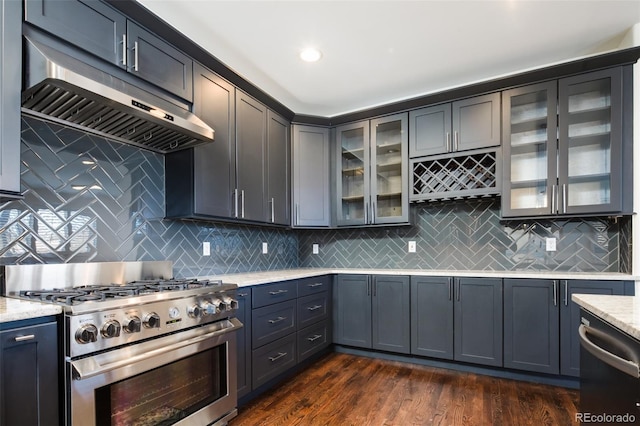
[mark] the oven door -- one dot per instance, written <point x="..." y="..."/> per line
<point x="184" y="378"/>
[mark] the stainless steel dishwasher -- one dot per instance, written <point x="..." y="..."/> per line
<point x="609" y="374"/>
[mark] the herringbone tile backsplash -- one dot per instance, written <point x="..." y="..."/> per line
<point x="91" y="199"/>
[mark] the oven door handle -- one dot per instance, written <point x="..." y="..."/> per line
<point x="90" y="367"/>
<point x="626" y="366"/>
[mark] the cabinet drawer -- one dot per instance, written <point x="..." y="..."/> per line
<point x="272" y="322"/>
<point x="268" y="294"/>
<point x="313" y="285"/>
<point x="273" y="359"/>
<point x="313" y="339"/>
<point x="312" y="309"/>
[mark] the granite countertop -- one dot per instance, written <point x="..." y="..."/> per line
<point x="264" y="277"/>
<point x="16" y="309"/>
<point x="622" y="312"/>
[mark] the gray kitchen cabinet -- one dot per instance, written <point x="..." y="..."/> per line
<point x="272" y="322"/>
<point x="277" y="170"/>
<point x="372" y="172"/>
<point x="29" y="386"/>
<point x="10" y="84"/>
<point x="462" y="125"/>
<point x="567" y="148"/>
<point x="104" y="32"/>
<point x="314" y="314"/>
<point x="243" y="341"/>
<point x="310" y="181"/>
<point x="531" y="325"/>
<point x="432" y="316"/>
<point x="362" y="304"/>
<point x="200" y="181"/>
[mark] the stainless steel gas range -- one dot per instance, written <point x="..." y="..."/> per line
<point x="140" y="348"/>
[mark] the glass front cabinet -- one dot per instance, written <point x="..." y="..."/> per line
<point x="563" y="147"/>
<point x="371" y="180"/>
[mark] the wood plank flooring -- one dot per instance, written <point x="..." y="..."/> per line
<point x="343" y="389"/>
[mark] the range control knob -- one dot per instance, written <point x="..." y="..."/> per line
<point x="151" y="320"/>
<point x="209" y="307"/>
<point x="232" y="304"/>
<point x="88" y="333"/>
<point x="110" y="329"/>
<point x="194" y="311"/>
<point x="132" y="325"/>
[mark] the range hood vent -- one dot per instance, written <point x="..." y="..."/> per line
<point x="62" y="89"/>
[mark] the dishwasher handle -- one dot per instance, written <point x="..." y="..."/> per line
<point x="630" y="367"/>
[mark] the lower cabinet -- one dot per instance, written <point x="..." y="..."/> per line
<point x="29" y="375"/>
<point x="243" y="339"/>
<point x="372" y="311"/>
<point x="457" y="319"/>
<point x="541" y="323"/>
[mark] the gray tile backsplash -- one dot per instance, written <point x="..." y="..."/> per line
<point x="87" y="198"/>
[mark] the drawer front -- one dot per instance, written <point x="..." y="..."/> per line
<point x="273" y="322"/>
<point x="268" y="294"/>
<point x="313" y="339"/>
<point x="313" y="285"/>
<point x="312" y="309"/>
<point x="273" y="359"/>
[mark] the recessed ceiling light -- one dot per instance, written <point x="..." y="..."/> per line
<point x="310" y="54"/>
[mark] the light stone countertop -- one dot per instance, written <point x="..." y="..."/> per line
<point x="16" y="309"/>
<point x="264" y="277"/>
<point x="622" y="312"/>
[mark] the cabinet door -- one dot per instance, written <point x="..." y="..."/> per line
<point x="352" y="310"/>
<point x="476" y="122"/>
<point x="156" y="61"/>
<point x="430" y="131"/>
<point x="529" y="150"/>
<point x="29" y="370"/>
<point x="432" y="316"/>
<point x="215" y="163"/>
<point x="278" y="206"/>
<point x="352" y="180"/>
<point x="478" y="321"/>
<point x="90" y="25"/>
<point x="590" y="141"/>
<point x="531" y="325"/>
<point x="243" y="338"/>
<point x="391" y="319"/>
<point x="10" y="78"/>
<point x="311" y="202"/>
<point x="251" y="131"/>
<point x="389" y="180"/>
<point x="570" y="319"/>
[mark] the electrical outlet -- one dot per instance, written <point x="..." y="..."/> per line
<point x="206" y="248"/>
<point x="265" y="248"/>
<point x="316" y="248"/>
<point x="551" y="244"/>
<point x="412" y="247"/>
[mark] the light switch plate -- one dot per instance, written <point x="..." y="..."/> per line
<point x="412" y="247"/>
<point x="265" y="248"/>
<point x="551" y="244"/>
<point x="316" y="248"/>
<point x="206" y="248"/>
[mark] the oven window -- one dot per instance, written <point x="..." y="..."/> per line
<point x="167" y="394"/>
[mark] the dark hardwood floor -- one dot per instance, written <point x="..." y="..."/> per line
<point x="343" y="389"/>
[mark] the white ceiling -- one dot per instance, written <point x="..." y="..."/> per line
<point x="376" y="52"/>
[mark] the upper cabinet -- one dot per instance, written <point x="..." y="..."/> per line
<point x="10" y="78"/>
<point x="371" y="166"/>
<point x="567" y="147"/>
<point x="277" y="171"/>
<point x="310" y="180"/>
<point x="459" y="126"/>
<point x="104" y="32"/>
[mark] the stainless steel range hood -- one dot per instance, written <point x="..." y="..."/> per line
<point x="62" y="89"/>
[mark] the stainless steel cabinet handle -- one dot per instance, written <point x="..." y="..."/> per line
<point x="242" y="203"/>
<point x="273" y="210"/>
<point x="458" y="288"/>
<point x="124" y="50"/>
<point x="456" y="139"/>
<point x="366" y="212"/>
<point x="235" y="203"/>
<point x="243" y="294"/>
<point x="566" y="293"/>
<point x="374" y="284"/>
<point x="24" y="338"/>
<point x="297" y="212"/>
<point x="564" y="198"/>
<point x="277" y="320"/>
<point x="314" y="285"/>
<point x="373" y="212"/>
<point x="553" y="199"/>
<point x="314" y="308"/>
<point x="314" y="338"/>
<point x="555" y="293"/>
<point x="277" y="357"/>
<point x="626" y="366"/>
<point x="135" y="56"/>
<point x="450" y="287"/>
<point x="448" y="142"/>
<point x="275" y="293"/>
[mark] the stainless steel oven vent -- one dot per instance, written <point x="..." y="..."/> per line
<point x="62" y="89"/>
